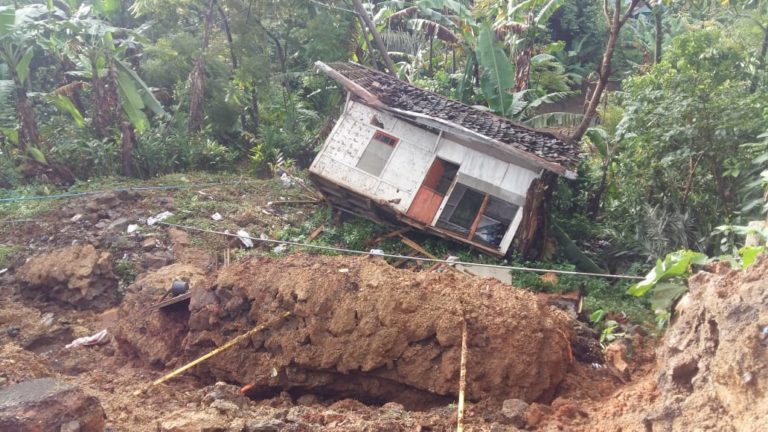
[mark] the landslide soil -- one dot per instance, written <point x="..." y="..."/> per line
<point x="359" y="328"/>
<point x="708" y="373"/>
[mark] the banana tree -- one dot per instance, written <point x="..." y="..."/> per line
<point x="119" y="96"/>
<point x="17" y="42"/>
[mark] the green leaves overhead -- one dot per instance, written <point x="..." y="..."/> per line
<point x="498" y="73"/>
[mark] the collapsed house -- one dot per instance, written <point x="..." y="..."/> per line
<point x="406" y="154"/>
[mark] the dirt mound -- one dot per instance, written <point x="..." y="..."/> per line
<point x="360" y="328"/>
<point x="712" y="362"/>
<point x="135" y="322"/>
<point x="79" y="276"/>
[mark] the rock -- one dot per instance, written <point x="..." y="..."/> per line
<point x="513" y="411"/>
<point x="79" y="276"/>
<point x="149" y="244"/>
<point x="48" y="405"/>
<point x="225" y="407"/>
<point x="194" y="421"/>
<point x="307" y="400"/>
<point x="118" y="224"/>
<point x="12" y="331"/>
<point x="156" y="260"/>
<point x="264" y="426"/>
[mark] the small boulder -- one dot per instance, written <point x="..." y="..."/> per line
<point x="80" y="276"/>
<point x="46" y="404"/>
<point x="513" y="411"/>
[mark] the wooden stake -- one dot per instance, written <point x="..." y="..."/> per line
<point x="215" y="352"/>
<point x="462" y="378"/>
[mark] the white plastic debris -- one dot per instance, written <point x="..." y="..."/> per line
<point x="132" y="228"/>
<point x="94" y="339"/>
<point x="263" y="236"/>
<point x="47" y="319"/>
<point x="286" y="179"/>
<point x="452" y="258"/>
<point x="279" y="248"/>
<point x="245" y="238"/>
<point x="159" y="217"/>
<point x="343" y="270"/>
<point x="3" y="270"/>
<point x="217" y="216"/>
<point x="376" y="252"/>
<point x="76" y="217"/>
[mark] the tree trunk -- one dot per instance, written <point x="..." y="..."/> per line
<point x="523" y="69"/>
<point x="615" y="22"/>
<point x="28" y="133"/>
<point x="658" y="16"/>
<point x="197" y="78"/>
<point x="230" y="41"/>
<point x="376" y="37"/>
<point x="127" y="145"/>
<point x="253" y="112"/>
<point x="106" y="104"/>
<point x="760" y="62"/>
<point x="597" y="198"/>
<point x="533" y="231"/>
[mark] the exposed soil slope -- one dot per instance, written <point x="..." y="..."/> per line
<point x="363" y="329"/>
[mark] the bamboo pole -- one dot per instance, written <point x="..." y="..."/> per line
<point x="213" y="353"/>
<point x="462" y="378"/>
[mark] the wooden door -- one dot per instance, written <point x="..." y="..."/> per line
<point x="432" y="191"/>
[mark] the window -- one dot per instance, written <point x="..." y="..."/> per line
<point x="377" y="153"/>
<point x="476" y="215"/>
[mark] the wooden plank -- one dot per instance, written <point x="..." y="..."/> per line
<point x="171" y="301"/>
<point x="417" y="247"/>
<point x="316" y="232"/>
<point x="480" y="212"/>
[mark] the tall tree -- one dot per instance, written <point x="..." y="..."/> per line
<point x="197" y="77"/>
<point x="616" y="21"/>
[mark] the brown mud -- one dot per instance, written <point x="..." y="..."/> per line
<point x="366" y="347"/>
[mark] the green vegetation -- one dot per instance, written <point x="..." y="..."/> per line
<point x="6" y="252"/>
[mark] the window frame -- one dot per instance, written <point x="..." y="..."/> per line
<point x="384" y="138"/>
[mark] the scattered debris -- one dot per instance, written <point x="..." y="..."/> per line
<point x="94" y="339"/>
<point x="376" y="252"/>
<point x="159" y="217"/>
<point x="3" y="270"/>
<point x="217" y="216"/>
<point x="132" y="228"/>
<point x="279" y="249"/>
<point x="47" y="319"/>
<point x="245" y="238"/>
<point x="287" y="181"/>
<point x="76" y="217"/>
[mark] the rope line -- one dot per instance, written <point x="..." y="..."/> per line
<point x="405" y="257"/>
<point x="128" y="189"/>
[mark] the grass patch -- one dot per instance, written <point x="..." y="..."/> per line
<point x="6" y="254"/>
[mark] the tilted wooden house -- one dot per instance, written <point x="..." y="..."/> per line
<point x="402" y="153"/>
